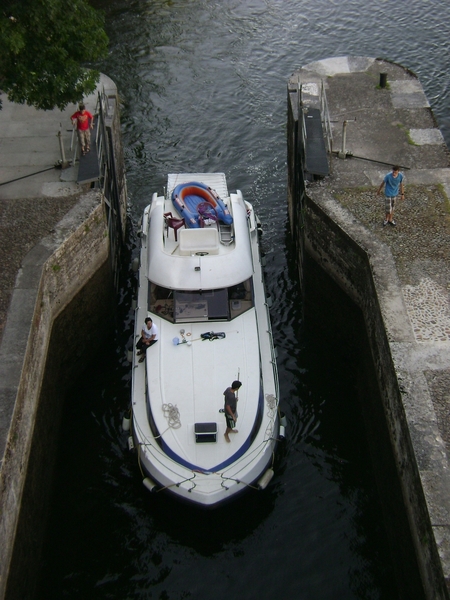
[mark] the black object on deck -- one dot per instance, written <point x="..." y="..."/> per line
<point x="88" y="168"/>
<point x="205" y="432"/>
<point x="316" y="160"/>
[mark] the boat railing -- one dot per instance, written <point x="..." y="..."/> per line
<point x="273" y="354"/>
<point x="273" y="351"/>
<point x="181" y="473"/>
<point x="267" y="304"/>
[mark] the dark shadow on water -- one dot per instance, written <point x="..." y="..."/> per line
<point x="353" y="431"/>
<point x="199" y="529"/>
<point x="108" y="537"/>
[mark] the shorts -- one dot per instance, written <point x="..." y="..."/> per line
<point x="144" y="347"/>
<point x="389" y="202"/>
<point x="230" y="421"/>
<point x="84" y="137"/>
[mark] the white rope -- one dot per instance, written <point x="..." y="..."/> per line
<point x="172" y="415"/>
<point x="271" y="401"/>
<point x="272" y="404"/>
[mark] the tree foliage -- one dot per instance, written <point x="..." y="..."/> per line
<point x="46" y="48"/>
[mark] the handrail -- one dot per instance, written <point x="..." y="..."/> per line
<point x="301" y="118"/>
<point x="326" y="118"/>
<point x="273" y="355"/>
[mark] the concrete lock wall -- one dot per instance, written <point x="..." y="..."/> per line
<point x="396" y="274"/>
<point x="348" y="264"/>
<point x="87" y="315"/>
<point x="78" y="267"/>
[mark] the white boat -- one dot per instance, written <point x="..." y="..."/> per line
<point x="194" y="282"/>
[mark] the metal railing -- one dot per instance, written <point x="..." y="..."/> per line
<point x="109" y="183"/>
<point x="273" y="350"/>
<point x="326" y="123"/>
<point x="325" y="118"/>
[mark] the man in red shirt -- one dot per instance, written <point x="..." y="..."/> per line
<point x="84" y="122"/>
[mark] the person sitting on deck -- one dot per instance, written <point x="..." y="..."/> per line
<point x="149" y="336"/>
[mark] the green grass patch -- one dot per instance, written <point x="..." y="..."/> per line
<point x="406" y="130"/>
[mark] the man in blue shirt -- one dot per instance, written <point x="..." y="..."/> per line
<point x="394" y="183"/>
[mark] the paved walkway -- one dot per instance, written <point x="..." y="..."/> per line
<point x="34" y="193"/>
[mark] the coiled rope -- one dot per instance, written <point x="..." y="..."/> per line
<point x="172" y="415"/>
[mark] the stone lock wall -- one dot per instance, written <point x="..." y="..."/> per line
<point x="358" y="268"/>
<point x="68" y="277"/>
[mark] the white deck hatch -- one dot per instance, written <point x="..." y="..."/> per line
<point x="193" y="241"/>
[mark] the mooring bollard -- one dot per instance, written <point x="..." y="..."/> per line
<point x="383" y="80"/>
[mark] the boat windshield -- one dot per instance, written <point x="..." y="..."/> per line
<point x="221" y="304"/>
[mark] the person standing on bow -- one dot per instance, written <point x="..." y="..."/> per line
<point x="231" y="408"/>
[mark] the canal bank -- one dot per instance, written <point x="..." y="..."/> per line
<point x="396" y="276"/>
<point x="62" y="227"/>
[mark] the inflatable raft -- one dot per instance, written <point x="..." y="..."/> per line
<point x="199" y="204"/>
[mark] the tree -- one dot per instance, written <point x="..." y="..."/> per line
<point x="46" y="48"/>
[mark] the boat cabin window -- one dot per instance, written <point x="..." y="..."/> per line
<point x="211" y="305"/>
<point x="160" y="301"/>
<point x="201" y="306"/>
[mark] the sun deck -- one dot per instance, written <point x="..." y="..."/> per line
<point x="198" y="258"/>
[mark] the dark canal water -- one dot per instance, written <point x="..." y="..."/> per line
<point x="203" y="88"/>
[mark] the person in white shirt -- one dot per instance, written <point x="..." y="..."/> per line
<point x="149" y="336"/>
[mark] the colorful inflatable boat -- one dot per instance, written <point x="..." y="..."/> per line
<point x="197" y="204"/>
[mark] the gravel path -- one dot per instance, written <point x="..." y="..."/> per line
<point x="420" y="242"/>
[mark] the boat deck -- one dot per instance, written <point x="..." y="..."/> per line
<point x="201" y="371"/>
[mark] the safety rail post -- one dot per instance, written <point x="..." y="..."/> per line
<point x="301" y="121"/>
<point x="326" y="123"/>
<point x="64" y="163"/>
<point x="74" y="144"/>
